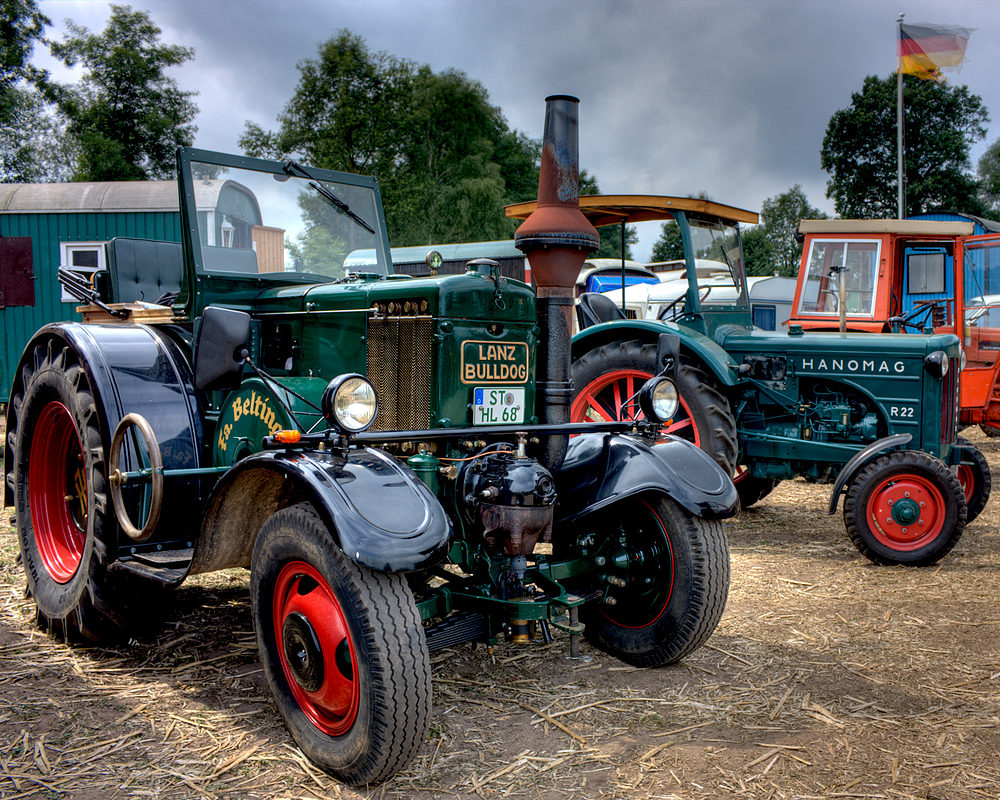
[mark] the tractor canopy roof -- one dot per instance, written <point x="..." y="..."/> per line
<point x="610" y="209"/>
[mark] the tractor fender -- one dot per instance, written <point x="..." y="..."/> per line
<point x="862" y="459"/>
<point x="715" y="360"/>
<point x="140" y="369"/>
<point x="601" y="469"/>
<point x="378" y="512"/>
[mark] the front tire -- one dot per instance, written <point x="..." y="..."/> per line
<point x="906" y="507"/>
<point x="605" y="377"/>
<point x="976" y="481"/>
<point x="664" y="579"/>
<point x="343" y="650"/>
<point x="750" y="489"/>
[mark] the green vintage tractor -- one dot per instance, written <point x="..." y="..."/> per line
<point x="391" y="457"/>
<point x="875" y="414"/>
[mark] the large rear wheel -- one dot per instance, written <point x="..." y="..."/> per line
<point x="65" y="525"/>
<point x="906" y="507"/>
<point x="663" y="575"/>
<point x="606" y="377"/>
<point x="343" y="650"/>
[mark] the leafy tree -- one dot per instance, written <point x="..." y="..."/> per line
<point x="611" y="235"/>
<point x="757" y="252"/>
<point x="669" y="246"/>
<point x="941" y="122"/>
<point x="989" y="180"/>
<point x="445" y="159"/>
<point x="34" y="147"/>
<point x="21" y="25"/>
<point x="780" y="217"/>
<point x="126" y="116"/>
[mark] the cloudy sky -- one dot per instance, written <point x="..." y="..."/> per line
<point x="677" y="96"/>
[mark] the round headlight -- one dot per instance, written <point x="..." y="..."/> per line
<point x="350" y="403"/>
<point x="658" y="399"/>
<point x="434" y="260"/>
<point x="937" y="363"/>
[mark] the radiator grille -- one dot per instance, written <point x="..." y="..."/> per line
<point x="949" y="403"/>
<point x="399" y="365"/>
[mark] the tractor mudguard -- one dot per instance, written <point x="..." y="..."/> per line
<point x="860" y="460"/>
<point x="601" y="469"/>
<point x="137" y="368"/>
<point x="709" y="353"/>
<point x="378" y="512"/>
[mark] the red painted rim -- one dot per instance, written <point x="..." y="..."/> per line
<point x="603" y="400"/>
<point x="302" y="590"/>
<point x="906" y="512"/>
<point x="649" y="566"/>
<point x="57" y="492"/>
<point x="967" y="478"/>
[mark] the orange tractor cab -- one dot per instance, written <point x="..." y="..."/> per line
<point x="937" y="272"/>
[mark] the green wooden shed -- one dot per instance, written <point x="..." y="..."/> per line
<point x="45" y="226"/>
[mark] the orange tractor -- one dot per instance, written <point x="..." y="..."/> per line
<point x="936" y="272"/>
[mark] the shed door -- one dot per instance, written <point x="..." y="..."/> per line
<point x="17" y="278"/>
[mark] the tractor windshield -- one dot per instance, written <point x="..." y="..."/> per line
<point x="854" y="261"/>
<point x="288" y="222"/>
<point x="719" y="258"/>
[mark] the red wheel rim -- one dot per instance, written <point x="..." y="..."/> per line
<point x="640" y="563"/>
<point x="741" y="473"/>
<point x="604" y="400"/>
<point x="315" y="648"/>
<point x="967" y="479"/>
<point x="57" y="492"/>
<point x="906" y="511"/>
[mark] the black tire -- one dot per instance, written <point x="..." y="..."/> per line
<point x="906" y="507"/>
<point x="750" y="489"/>
<point x="976" y="481"/>
<point x="354" y="688"/>
<point x="707" y="420"/>
<point x="65" y="524"/>
<point x="664" y="578"/>
<point x="989" y="429"/>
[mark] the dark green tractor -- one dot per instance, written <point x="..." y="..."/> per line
<point x="391" y="457"/>
<point x="875" y="414"/>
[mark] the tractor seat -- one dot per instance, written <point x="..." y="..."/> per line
<point x="594" y="308"/>
<point x="144" y="270"/>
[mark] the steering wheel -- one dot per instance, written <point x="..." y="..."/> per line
<point x="669" y="307"/>
<point x="835" y="296"/>
<point x="666" y="309"/>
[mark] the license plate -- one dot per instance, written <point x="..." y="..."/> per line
<point x="497" y="406"/>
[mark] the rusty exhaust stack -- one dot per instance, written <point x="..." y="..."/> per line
<point x="556" y="238"/>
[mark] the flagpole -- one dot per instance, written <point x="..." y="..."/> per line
<point x="899" y="122"/>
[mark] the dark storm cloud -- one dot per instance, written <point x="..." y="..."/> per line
<point x="730" y="98"/>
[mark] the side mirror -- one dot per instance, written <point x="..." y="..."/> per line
<point x="219" y="348"/>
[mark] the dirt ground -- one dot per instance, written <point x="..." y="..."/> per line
<point x="827" y="678"/>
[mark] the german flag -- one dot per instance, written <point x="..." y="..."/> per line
<point x="924" y="50"/>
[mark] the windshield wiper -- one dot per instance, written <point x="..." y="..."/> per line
<point x="294" y="168"/>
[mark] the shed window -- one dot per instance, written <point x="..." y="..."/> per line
<point x="83" y="258"/>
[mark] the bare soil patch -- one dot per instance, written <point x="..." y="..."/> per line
<point x="827" y="678"/>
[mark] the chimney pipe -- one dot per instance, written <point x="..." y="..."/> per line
<point x="556" y="238"/>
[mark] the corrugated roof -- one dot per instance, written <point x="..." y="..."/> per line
<point x="105" y="196"/>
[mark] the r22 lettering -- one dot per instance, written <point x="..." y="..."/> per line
<point x="901" y="412"/>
